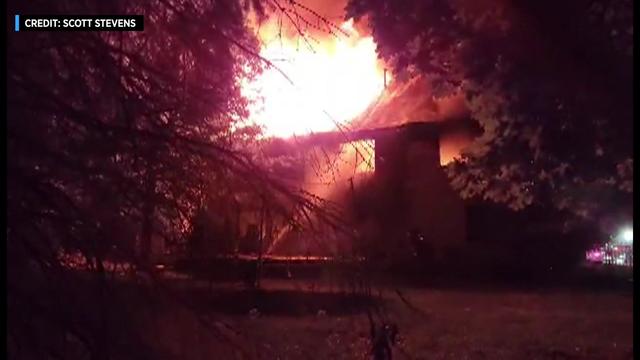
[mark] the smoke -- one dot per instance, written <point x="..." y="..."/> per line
<point x="407" y="102"/>
<point x="332" y="9"/>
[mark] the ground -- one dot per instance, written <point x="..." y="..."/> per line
<point x="290" y="320"/>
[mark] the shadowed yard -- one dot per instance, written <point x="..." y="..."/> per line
<point x="290" y="322"/>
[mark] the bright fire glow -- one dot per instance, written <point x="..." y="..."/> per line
<point x="362" y="154"/>
<point x="333" y="83"/>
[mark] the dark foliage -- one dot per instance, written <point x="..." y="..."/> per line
<point x="114" y="141"/>
<point x="549" y="82"/>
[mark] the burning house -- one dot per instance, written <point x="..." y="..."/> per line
<point x="386" y="172"/>
<point x="355" y="137"/>
<point x="391" y="181"/>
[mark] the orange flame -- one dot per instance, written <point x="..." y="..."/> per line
<point x="334" y="80"/>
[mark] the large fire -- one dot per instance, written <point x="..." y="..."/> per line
<point x="334" y="80"/>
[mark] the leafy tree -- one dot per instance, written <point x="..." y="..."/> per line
<point x="114" y="139"/>
<point x="549" y="82"/>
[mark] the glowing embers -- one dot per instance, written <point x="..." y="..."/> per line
<point x="332" y="170"/>
<point x="362" y="154"/>
<point x="339" y="164"/>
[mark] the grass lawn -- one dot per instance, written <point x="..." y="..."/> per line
<point x="292" y="322"/>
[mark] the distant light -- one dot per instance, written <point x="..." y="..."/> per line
<point x="626" y="235"/>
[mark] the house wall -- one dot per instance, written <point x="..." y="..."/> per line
<point x="416" y="191"/>
<point x="408" y="190"/>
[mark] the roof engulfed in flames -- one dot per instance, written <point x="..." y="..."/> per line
<point x="334" y="80"/>
<point x="408" y="102"/>
<point x="339" y="84"/>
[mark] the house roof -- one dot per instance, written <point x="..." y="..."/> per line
<point x="408" y="102"/>
<point x="402" y="105"/>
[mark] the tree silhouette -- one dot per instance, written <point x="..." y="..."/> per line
<point x="550" y="84"/>
<point x="114" y="140"/>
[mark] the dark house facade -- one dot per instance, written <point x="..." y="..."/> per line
<point x="406" y="191"/>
